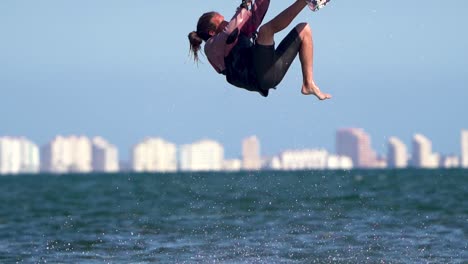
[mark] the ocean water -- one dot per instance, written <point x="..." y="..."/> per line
<point x="375" y="216"/>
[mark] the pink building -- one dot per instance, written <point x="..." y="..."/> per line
<point x="356" y="144"/>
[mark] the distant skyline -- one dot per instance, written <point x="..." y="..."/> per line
<point x="82" y="154"/>
<point x="368" y="149"/>
<point x="121" y="70"/>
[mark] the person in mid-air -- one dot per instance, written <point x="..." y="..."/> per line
<point x="245" y="53"/>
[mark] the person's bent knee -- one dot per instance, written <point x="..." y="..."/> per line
<point x="304" y="28"/>
<point x="265" y="35"/>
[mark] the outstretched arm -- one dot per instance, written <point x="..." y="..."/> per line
<point x="248" y="17"/>
<point x="258" y="11"/>
<point x="239" y="19"/>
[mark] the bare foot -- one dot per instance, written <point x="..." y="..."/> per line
<point x="315" y="90"/>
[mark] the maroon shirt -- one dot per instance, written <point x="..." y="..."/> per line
<point x="246" y="21"/>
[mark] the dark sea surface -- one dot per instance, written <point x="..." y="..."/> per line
<point x="375" y="216"/>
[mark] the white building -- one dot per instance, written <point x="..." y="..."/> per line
<point x="105" y="156"/>
<point x="464" y="148"/>
<point x="232" y="165"/>
<point x="30" y="156"/>
<point x="304" y="159"/>
<point x="274" y="163"/>
<point x="154" y="155"/>
<point x="204" y="155"/>
<point x="397" y="155"/>
<point x="271" y="163"/>
<point x="18" y="155"/>
<point x="336" y="162"/>
<point x="67" y="154"/>
<point x="423" y="157"/>
<point x="449" y="162"/>
<point x="308" y="159"/>
<point x="251" y="154"/>
<point x="9" y="156"/>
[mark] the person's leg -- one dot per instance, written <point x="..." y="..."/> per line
<point x="267" y="31"/>
<point x="271" y="65"/>
<point x="306" y="56"/>
<point x="287" y="51"/>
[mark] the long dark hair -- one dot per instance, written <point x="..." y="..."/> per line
<point x="196" y="38"/>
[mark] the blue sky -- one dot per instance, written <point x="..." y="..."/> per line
<point x="120" y="69"/>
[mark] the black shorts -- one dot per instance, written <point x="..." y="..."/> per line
<point x="271" y="65"/>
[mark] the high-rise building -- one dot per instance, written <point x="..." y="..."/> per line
<point x="356" y="144"/>
<point x="397" y="155"/>
<point x="30" y="156"/>
<point x="105" y="156"/>
<point x="154" y="155"/>
<point x="251" y="154"/>
<point x="9" y="156"/>
<point x="204" y="155"/>
<point x="18" y="155"/>
<point x="422" y="156"/>
<point x="464" y="148"/>
<point x="67" y="154"/>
